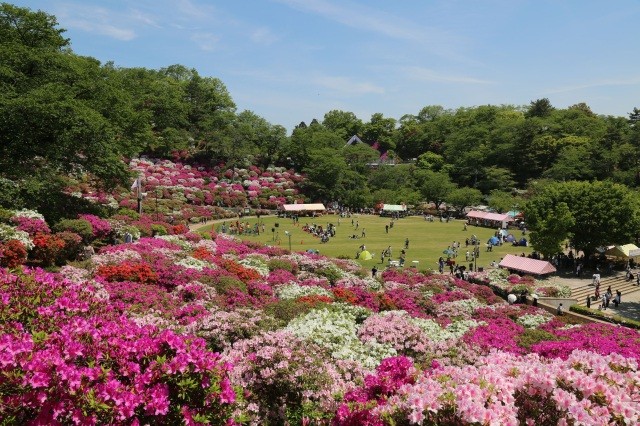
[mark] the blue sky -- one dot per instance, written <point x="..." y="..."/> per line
<point x="294" y="60"/>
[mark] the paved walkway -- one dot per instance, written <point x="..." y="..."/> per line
<point x="212" y="222"/>
<point x="630" y="306"/>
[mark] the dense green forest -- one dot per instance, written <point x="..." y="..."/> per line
<point x="62" y="114"/>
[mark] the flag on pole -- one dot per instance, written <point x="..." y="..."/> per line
<point x="136" y="183"/>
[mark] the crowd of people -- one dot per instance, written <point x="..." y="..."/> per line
<point x="242" y="228"/>
<point x="604" y="299"/>
<point x="318" y="231"/>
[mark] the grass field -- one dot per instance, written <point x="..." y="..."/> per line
<point x="427" y="240"/>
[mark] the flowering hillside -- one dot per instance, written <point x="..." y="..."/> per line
<point x="184" y="192"/>
<point x="180" y="328"/>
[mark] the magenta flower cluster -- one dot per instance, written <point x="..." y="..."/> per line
<point x="183" y="330"/>
<point x="30" y="225"/>
<point x="76" y="361"/>
<point x="101" y="227"/>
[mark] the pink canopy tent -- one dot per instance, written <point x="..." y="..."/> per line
<point x="503" y="219"/>
<point x="498" y="217"/>
<point x="526" y="265"/>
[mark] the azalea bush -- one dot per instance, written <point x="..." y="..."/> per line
<point x="501" y="388"/>
<point x="81" y="227"/>
<point x="8" y="233"/>
<point x="186" y="193"/>
<point x="47" y="249"/>
<point x="101" y="227"/>
<point x="513" y="283"/>
<point x="274" y="366"/>
<point x="12" y="254"/>
<point x="180" y="329"/>
<point x="31" y="225"/>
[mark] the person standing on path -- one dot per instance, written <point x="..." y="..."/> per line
<point x="406" y="243"/>
<point x="374" y="272"/>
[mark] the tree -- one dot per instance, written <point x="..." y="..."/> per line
<point x="354" y="191"/>
<point x="392" y="177"/>
<point x="435" y="187"/>
<point x="159" y="100"/>
<point x="31" y="30"/>
<point x="496" y="178"/>
<point x="503" y="201"/>
<point x="539" y="108"/>
<point x="325" y="175"/>
<point x="634" y="116"/>
<point x="430" y="161"/>
<point x="359" y="156"/>
<point x="210" y="105"/>
<point x="431" y="112"/>
<point x="61" y="113"/>
<point x="344" y="124"/>
<point x="573" y="163"/>
<point x="297" y="149"/>
<point x="461" y="198"/>
<point x="552" y="230"/>
<point x="380" y="129"/>
<point x="604" y="212"/>
<point x="581" y="106"/>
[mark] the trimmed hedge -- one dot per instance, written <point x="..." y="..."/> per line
<point x="615" y="319"/>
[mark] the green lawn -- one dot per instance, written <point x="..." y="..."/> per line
<point x="427" y="240"/>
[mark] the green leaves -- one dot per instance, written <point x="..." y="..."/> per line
<point x="19" y="25"/>
<point x="435" y="187"/>
<point x="592" y="214"/>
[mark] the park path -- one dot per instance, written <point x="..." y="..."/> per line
<point x="195" y="226"/>
<point x="581" y="286"/>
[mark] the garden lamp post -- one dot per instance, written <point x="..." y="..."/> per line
<point x="288" y="234"/>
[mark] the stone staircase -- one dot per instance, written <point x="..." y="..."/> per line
<point x="617" y="282"/>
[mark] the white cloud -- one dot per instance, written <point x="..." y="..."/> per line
<point x="339" y="84"/>
<point x="124" y="34"/>
<point x="263" y="35"/>
<point x="188" y="9"/>
<point x="602" y="83"/>
<point x="426" y="74"/>
<point x="363" y="18"/>
<point x="206" y="41"/>
<point x="144" y="18"/>
<point x="97" y="20"/>
<point x="345" y="85"/>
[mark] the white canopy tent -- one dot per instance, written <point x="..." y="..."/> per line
<point x="391" y="209"/>
<point x="309" y="209"/>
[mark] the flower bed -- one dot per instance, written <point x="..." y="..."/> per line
<point x="188" y="193"/>
<point x="505" y="283"/>
<point x="181" y="329"/>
